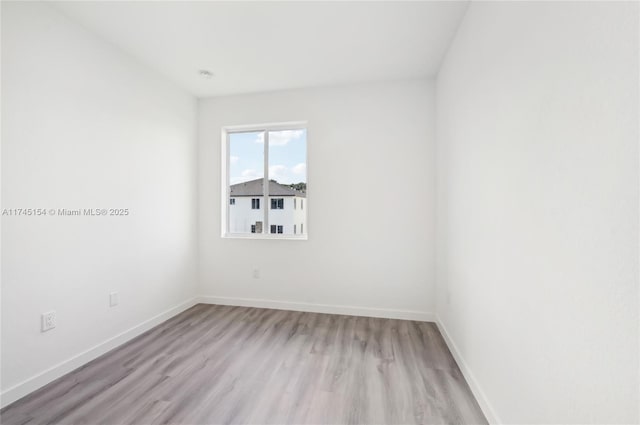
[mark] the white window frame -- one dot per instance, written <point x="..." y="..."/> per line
<point x="225" y="187"/>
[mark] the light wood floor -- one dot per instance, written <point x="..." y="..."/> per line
<point x="237" y="365"/>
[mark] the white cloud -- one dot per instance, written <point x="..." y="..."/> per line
<point x="278" y="173"/>
<point x="252" y="174"/>
<point x="300" y="169"/>
<point x="280" y="138"/>
<point x="245" y="176"/>
<point x="234" y="159"/>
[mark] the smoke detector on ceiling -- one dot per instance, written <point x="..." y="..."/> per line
<point x="206" y="74"/>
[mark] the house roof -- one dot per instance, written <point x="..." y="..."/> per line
<point x="255" y="188"/>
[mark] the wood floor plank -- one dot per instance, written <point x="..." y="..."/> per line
<point x="238" y="365"/>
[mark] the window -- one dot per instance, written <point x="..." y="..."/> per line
<point x="277" y="203"/>
<point x="276" y="229"/>
<point x="301" y="204"/>
<point x="264" y="165"/>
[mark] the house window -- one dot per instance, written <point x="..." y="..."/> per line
<point x="277" y="203"/>
<point x="276" y="229"/>
<point x="266" y="164"/>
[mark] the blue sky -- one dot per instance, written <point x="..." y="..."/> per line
<point x="287" y="156"/>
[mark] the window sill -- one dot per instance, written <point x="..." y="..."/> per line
<point x="264" y="236"/>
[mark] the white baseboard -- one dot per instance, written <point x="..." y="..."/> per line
<point x="483" y="401"/>
<point x="22" y="389"/>
<point x="30" y="385"/>
<point x="321" y="308"/>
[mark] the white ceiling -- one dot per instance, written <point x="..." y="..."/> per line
<point x="263" y="46"/>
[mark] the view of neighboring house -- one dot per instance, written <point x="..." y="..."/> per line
<point x="286" y="207"/>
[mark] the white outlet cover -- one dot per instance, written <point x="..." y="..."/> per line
<point x="49" y="320"/>
<point x="113" y="299"/>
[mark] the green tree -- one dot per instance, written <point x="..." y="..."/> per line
<point x="302" y="187"/>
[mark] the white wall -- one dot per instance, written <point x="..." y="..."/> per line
<point x="86" y="127"/>
<point x="371" y="173"/>
<point x="242" y="216"/>
<point x="538" y="208"/>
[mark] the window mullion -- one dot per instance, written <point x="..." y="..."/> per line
<point x="226" y="182"/>
<point x="265" y="184"/>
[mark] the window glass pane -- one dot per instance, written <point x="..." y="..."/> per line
<point x="277" y="203"/>
<point x="246" y="175"/>
<point x="287" y="178"/>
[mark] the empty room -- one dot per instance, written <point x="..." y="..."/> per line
<point x="320" y="212"/>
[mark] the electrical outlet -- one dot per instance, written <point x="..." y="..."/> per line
<point x="113" y="299"/>
<point x="48" y="320"/>
<point x="256" y="273"/>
